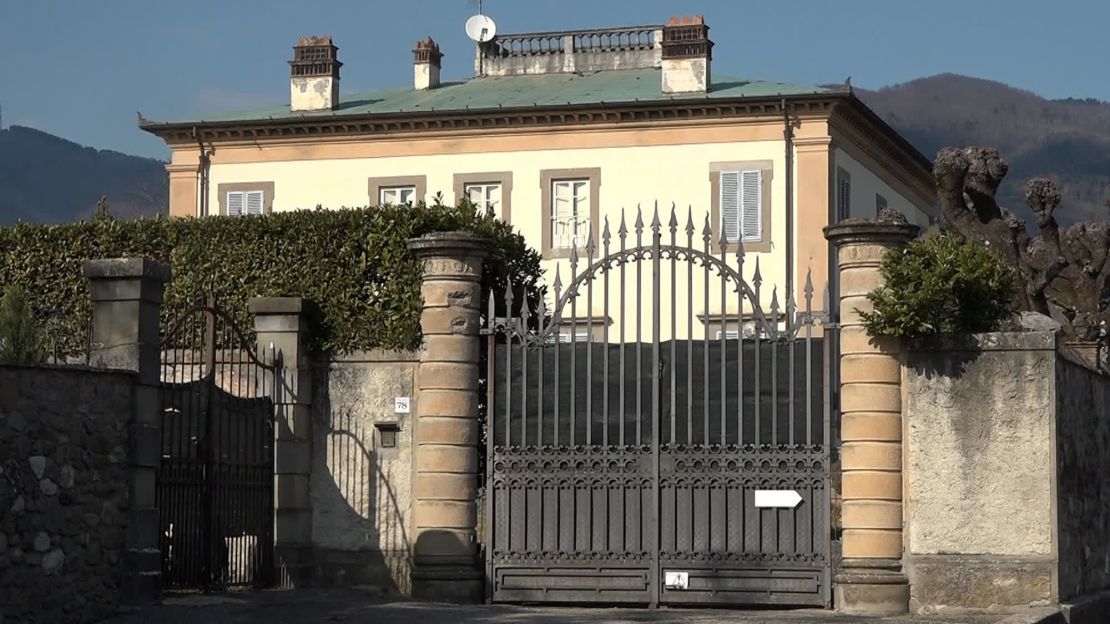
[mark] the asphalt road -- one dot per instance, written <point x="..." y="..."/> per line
<point x="357" y="607"/>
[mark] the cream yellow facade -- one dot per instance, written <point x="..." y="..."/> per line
<point x="668" y="164"/>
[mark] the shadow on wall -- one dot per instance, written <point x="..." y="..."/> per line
<point x="360" y="496"/>
<point x="944" y="356"/>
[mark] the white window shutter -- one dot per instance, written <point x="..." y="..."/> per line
<point x="235" y="201"/>
<point x="254" y="203"/>
<point x="752" y="218"/>
<point x="730" y="205"/>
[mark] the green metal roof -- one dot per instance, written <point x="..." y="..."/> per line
<point x="612" y="86"/>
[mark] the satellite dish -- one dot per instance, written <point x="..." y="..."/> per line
<point x="480" y="28"/>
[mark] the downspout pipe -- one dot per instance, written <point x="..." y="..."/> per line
<point x="205" y="162"/>
<point x="788" y="139"/>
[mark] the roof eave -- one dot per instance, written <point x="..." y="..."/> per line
<point x="162" y="129"/>
<point x="888" y="130"/>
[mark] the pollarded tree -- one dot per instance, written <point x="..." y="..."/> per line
<point x="1064" y="271"/>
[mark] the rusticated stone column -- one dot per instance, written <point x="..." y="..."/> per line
<point x="126" y="298"/>
<point x="280" y="326"/>
<point x="870" y="579"/>
<point x="446" y="562"/>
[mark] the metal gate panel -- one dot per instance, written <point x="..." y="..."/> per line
<point x="215" y="480"/>
<point x="619" y="461"/>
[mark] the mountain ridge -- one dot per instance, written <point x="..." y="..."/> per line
<point x="1066" y="140"/>
<point x="49" y="179"/>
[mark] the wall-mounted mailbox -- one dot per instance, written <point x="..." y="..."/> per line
<point x="387" y="433"/>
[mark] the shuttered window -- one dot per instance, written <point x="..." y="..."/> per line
<point x="244" y="203"/>
<point x="742" y="205"/>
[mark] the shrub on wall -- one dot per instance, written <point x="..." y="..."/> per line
<point x="941" y="284"/>
<point x="353" y="265"/>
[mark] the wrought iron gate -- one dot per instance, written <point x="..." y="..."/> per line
<point x="215" y="479"/>
<point x="655" y="454"/>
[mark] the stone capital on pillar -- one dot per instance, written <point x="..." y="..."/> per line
<point x="446" y="561"/>
<point x="870" y="578"/>
<point x="126" y="299"/>
<point x="890" y="233"/>
<point x="452" y="256"/>
<point x="126" y="295"/>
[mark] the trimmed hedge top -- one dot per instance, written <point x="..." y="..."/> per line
<point x="353" y="265"/>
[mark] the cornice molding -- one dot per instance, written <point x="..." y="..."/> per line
<point x="849" y="124"/>
<point x="490" y="120"/>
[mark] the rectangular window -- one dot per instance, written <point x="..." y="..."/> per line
<point x="486" y="196"/>
<point x="741" y="205"/>
<point x="570" y="213"/>
<point x="244" y="203"/>
<point x="843" y="195"/>
<point x="396" y="195"/>
<point x="880" y="205"/>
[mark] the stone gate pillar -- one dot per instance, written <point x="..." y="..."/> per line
<point x="126" y="299"/>
<point x="280" y="326"/>
<point x="870" y="579"/>
<point x="446" y="561"/>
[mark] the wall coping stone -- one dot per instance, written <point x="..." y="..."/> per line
<point x="439" y="244"/>
<point x="851" y="231"/>
<point x="71" y="368"/>
<point x="995" y="341"/>
<point x="370" y="356"/>
<point x="115" y="268"/>
<point x="276" y="305"/>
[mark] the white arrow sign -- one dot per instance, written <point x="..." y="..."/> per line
<point x="788" y="499"/>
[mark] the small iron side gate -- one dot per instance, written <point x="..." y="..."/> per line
<point x="649" y="452"/>
<point x="216" y="476"/>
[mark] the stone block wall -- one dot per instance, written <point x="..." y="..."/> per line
<point x="361" y="491"/>
<point x="63" y="492"/>
<point x="979" y="511"/>
<point x="1083" y="477"/>
<point x="1007" y="453"/>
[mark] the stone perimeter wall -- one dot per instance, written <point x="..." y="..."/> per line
<point x="1006" y="455"/>
<point x="63" y="492"/>
<point x="361" y="492"/>
<point x="1083" y="477"/>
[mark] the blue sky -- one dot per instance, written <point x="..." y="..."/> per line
<point x="82" y="68"/>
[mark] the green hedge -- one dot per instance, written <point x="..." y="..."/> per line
<point x="351" y="264"/>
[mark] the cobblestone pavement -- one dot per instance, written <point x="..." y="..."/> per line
<point x="352" y="606"/>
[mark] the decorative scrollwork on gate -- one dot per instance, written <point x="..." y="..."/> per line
<point x="641" y="441"/>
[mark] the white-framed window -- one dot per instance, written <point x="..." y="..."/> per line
<point x="742" y="205"/>
<point x="578" y="335"/>
<point x="570" y="213"/>
<point x="486" y="196"/>
<point x="244" y="203"/>
<point x="396" y="195"/>
<point x="843" y="194"/>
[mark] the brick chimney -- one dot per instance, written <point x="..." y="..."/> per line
<point x="426" y="60"/>
<point x="314" y="75"/>
<point x="687" y="52"/>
